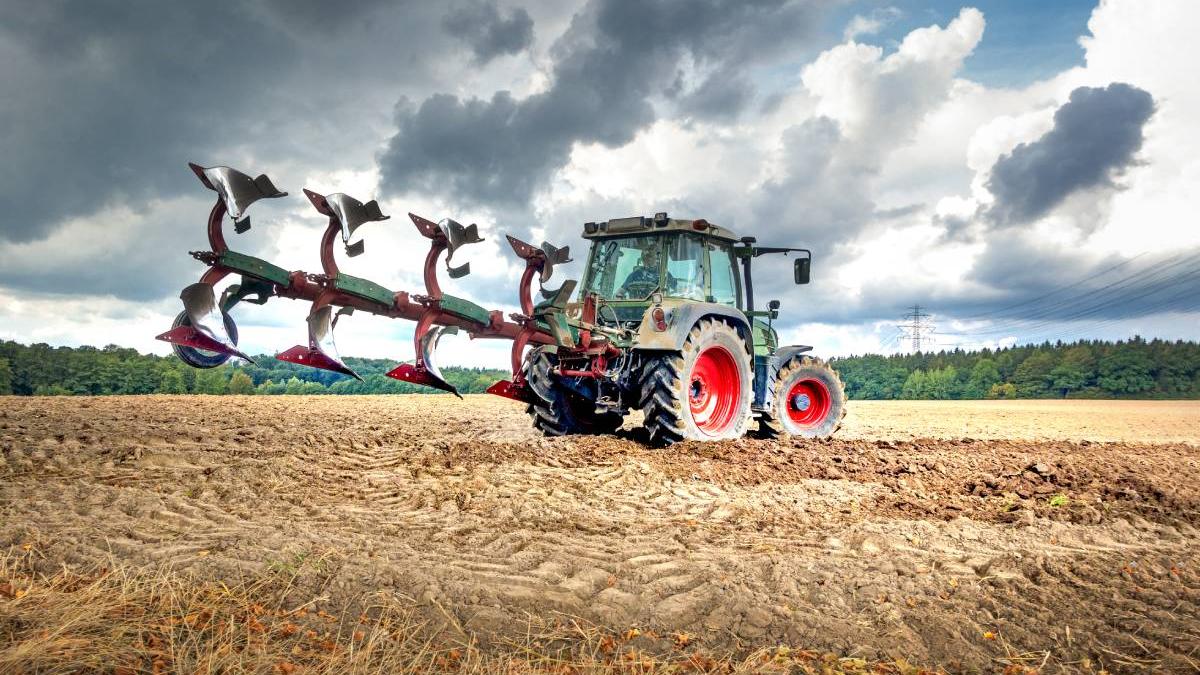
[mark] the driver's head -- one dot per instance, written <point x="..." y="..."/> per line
<point x="650" y="257"/>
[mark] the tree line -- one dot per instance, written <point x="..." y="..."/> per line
<point x="41" y="370"/>
<point x="1134" y="368"/>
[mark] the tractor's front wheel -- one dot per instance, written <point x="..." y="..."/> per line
<point x="808" y="399"/>
<point x="557" y="411"/>
<point x="701" y="393"/>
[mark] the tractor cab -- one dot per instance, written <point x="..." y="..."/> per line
<point x="634" y="260"/>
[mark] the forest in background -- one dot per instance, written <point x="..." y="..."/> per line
<point x="1134" y="368"/>
<point x="40" y="370"/>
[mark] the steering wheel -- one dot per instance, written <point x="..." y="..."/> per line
<point x="637" y="289"/>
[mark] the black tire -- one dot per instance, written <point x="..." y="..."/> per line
<point x="668" y="381"/>
<point x="555" y="410"/>
<point x="202" y="358"/>
<point x="788" y="415"/>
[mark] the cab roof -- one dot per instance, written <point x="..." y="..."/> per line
<point x="657" y="224"/>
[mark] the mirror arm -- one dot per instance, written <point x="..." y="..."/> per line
<point x="760" y="250"/>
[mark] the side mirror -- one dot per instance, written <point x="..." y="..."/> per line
<point x="801" y="268"/>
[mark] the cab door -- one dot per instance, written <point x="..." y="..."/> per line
<point x="724" y="284"/>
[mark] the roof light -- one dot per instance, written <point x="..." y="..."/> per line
<point x="590" y="228"/>
<point x="700" y="224"/>
<point x="660" y="219"/>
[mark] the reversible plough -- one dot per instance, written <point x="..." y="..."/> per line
<point x="660" y="324"/>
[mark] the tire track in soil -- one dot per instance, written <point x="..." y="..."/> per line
<point x="877" y="547"/>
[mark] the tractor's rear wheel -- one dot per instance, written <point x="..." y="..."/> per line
<point x="808" y="400"/>
<point x="202" y="358"/>
<point x="701" y="393"/>
<point x="557" y="411"/>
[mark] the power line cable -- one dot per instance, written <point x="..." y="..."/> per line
<point x="1156" y="278"/>
<point x="1029" y="301"/>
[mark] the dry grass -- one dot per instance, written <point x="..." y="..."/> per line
<point x="123" y="620"/>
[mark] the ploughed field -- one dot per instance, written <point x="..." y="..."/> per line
<point x="1051" y="535"/>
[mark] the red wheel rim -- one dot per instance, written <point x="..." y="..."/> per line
<point x="714" y="391"/>
<point x="808" y="403"/>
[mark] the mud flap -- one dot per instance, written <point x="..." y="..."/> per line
<point x="321" y="351"/>
<point x="207" y="329"/>
<point x="425" y="371"/>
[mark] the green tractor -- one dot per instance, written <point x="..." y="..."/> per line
<point x="666" y="323"/>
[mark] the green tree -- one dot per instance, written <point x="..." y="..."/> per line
<point x="1002" y="390"/>
<point x="6" y="378"/>
<point x="984" y="374"/>
<point x="294" y="386"/>
<point x="270" y="388"/>
<point x="140" y="377"/>
<point x="211" y="381"/>
<point x="313" y="388"/>
<point x="941" y="384"/>
<point x="1074" y="372"/>
<point x="480" y="384"/>
<point x="1032" y="377"/>
<point x="1125" y="371"/>
<point x="240" y="383"/>
<point x="1175" y="365"/>
<point x="914" y="386"/>
<point x="172" y="382"/>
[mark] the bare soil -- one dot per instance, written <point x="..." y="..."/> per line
<point x="968" y="536"/>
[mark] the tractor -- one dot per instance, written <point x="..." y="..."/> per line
<point x="664" y="321"/>
<point x="661" y="326"/>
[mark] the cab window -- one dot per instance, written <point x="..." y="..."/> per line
<point x="685" y="267"/>
<point x="625" y="268"/>
<point x="724" y="274"/>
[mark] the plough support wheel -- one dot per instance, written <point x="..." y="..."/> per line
<point x="205" y="328"/>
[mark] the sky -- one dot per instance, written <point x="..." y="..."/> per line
<point x="1023" y="171"/>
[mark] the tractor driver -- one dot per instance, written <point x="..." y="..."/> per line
<point x="643" y="280"/>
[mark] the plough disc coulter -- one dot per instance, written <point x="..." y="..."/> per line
<point x="663" y="322"/>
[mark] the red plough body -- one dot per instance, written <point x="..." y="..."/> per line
<point x="434" y="312"/>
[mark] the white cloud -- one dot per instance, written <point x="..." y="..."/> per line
<point x="870" y="24"/>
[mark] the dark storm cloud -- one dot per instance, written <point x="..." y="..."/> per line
<point x="722" y="96"/>
<point x="1096" y="135"/>
<point x="106" y="101"/>
<point x="822" y="197"/>
<point x="135" y="257"/>
<point x="489" y="34"/>
<point x="615" y="59"/>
